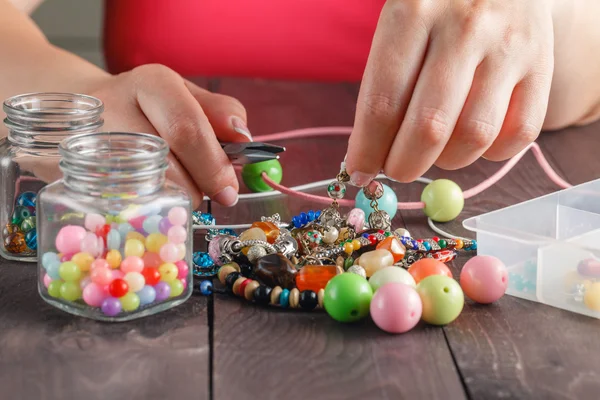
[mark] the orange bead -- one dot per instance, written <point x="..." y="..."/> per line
<point x="394" y="246"/>
<point x="427" y="267"/>
<point x="459" y="244"/>
<point x="270" y="229"/>
<point x="315" y="277"/>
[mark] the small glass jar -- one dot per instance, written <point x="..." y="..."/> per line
<point x="115" y="237"/>
<point x="29" y="159"/>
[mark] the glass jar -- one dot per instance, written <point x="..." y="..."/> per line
<point x="29" y="159"/>
<point x="115" y="237"/>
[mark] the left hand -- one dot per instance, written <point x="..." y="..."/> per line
<point x="449" y="81"/>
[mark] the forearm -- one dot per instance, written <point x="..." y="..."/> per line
<point x="29" y="63"/>
<point x="575" y="95"/>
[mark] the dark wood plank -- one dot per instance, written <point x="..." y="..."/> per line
<point x="268" y="353"/>
<point x="517" y="348"/>
<point x="48" y="354"/>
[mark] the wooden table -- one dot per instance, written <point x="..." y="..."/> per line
<point x="223" y="348"/>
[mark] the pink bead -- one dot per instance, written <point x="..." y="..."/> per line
<point x="92" y="244"/>
<point x="183" y="269"/>
<point x="93" y="221"/>
<point x="99" y="263"/>
<point x="137" y="223"/>
<point x="101" y="275"/>
<point x="169" y="253"/>
<point x="396" y="307"/>
<point x="132" y="264"/>
<point x="68" y="240"/>
<point x="184" y="282"/>
<point x="47" y="280"/>
<point x="484" y="279"/>
<point x="117" y="274"/>
<point x="94" y="294"/>
<point x="151" y="260"/>
<point x="180" y="251"/>
<point x="177" y="234"/>
<point x="356" y="218"/>
<point x="66" y="257"/>
<point x="214" y="250"/>
<point x="178" y="216"/>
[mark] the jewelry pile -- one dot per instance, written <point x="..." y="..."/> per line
<point x="323" y="259"/>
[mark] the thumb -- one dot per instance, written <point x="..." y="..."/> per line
<point x="226" y="114"/>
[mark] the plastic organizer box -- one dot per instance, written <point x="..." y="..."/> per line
<point x="550" y="245"/>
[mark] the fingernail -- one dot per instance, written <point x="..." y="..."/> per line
<point x="361" y="179"/>
<point x="240" y="127"/>
<point x="227" y="197"/>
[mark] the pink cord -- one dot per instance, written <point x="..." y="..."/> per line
<point x="345" y="131"/>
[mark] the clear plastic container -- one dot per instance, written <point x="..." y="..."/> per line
<point x="551" y="247"/>
<point x="115" y="238"/>
<point x="29" y="159"/>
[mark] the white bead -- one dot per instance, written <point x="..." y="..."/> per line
<point x="402" y="232"/>
<point x="389" y="275"/>
<point x="373" y="261"/>
<point x="358" y="270"/>
<point x="331" y="235"/>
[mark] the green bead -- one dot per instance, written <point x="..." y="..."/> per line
<point x="442" y="298"/>
<point x="54" y="288"/>
<point x="130" y="302"/>
<point x="252" y="175"/>
<point x="443" y="200"/>
<point x="347" y="297"/>
<point x="69" y="271"/>
<point x="28" y="224"/>
<point x="442" y="243"/>
<point x="348" y="263"/>
<point x="176" y="288"/>
<point x="70" y="291"/>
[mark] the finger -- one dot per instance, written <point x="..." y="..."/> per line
<point x="439" y="96"/>
<point x="136" y="122"/>
<point x="390" y="75"/>
<point x="226" y="114"/>
<point x="179" y="119"/>
<point x="525" y="116"/>
<point x="482" y="116"/>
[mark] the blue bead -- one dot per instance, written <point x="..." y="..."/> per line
<point x="150" y="224"/>
<point x="284" y="298"/>
<point x="27" y="199"/>
<point x="415" y="244"/>
<point x="206" y="288"/>
<point x="49" y="258"/>
<point x="52" y="269"/>
<point x="124" y="228"/>
<point x="318" y="213"/>
<point x="31" y="239"/>
<point x="311" y="215"/>
<point x="303" y="218"/>
<point x="147" y="295"/>
<point x="296" y="222"/>
<point x="365" y="235"/>
<point x="427" y="246"/>
<point x="473" y="245"/>
<point x="229" y="232"/>
<point x="113" y="240"/>
<point x="388" y="202"/>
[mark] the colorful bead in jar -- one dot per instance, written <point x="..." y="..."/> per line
<point x="123" y="267"/>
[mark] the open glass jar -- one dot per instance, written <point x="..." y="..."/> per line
<point x="115" y="237"/>
<point x="29" y="159"/>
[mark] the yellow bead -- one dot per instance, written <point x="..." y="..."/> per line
<point x="83" y="261"/>
<point x="134" y="247"/>
<point x="253" y="234"/>
<point x="168" y="272"/>
<point x="356" y="244"/>
<point x="592" y="297"/>
<point x="136" y="236"/>
<point x="114" y="258"/>
<point x="348" y="248"/>
<point x="373" y="261"/>
<point x="155" y="241"/>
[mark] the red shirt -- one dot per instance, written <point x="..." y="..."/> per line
<point x="293" y="39"/>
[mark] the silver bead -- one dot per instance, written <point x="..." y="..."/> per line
<point x="286" y="245"/>
<point x="256" y="252"/>
<point x="380" y="220"/>
<point x="358" y="270"/>
<point x="336" y="190"/>
<point x="401" y="232"/>
<point x="373" y="191"/>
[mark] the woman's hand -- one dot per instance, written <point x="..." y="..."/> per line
<point x="154" y="99"/>
<point x="449" y="81"/>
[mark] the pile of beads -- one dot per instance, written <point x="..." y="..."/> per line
<point x="20" y="234"/>
<point x="119" y="264"/>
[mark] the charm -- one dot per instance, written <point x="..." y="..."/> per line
<point x="379" y="219"/>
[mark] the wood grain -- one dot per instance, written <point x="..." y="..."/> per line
<point x="271" y="354"/>
<point x="48" y="354"/>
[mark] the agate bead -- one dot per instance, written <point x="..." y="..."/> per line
<point x="373" y="261"/>
<point x="394" y="246"/>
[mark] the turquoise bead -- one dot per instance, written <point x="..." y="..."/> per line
<point x="252" y="175"/>
<point x="113" y="240"/>
<point x="284" y="298"/>
<point x="443" y="200"/>
<point x="150" y="224"/>
<point x="388" y="202"/>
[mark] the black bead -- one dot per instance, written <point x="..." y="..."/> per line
<point x="308" y="300"/>
<point x="247" y="270"/>
<point x="231" y="278"/>
<point x="262" y="294"/>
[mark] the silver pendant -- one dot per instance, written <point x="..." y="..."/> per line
<point x="380" y="220"/>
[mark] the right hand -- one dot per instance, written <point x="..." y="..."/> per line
<point x="154" y="99"/>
